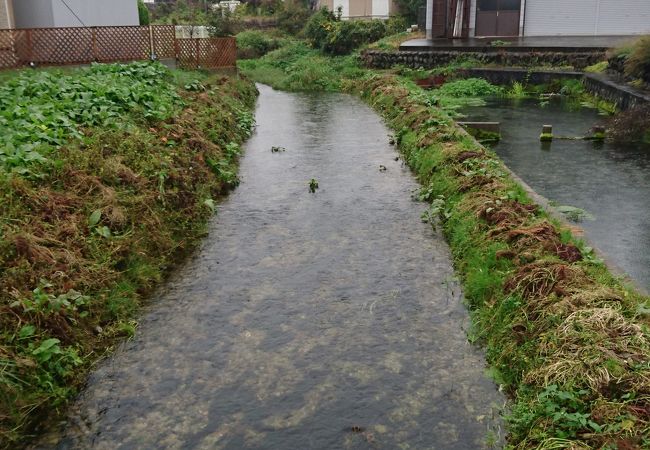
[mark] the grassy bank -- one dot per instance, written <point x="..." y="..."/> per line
<point x="108" y="176"/>
<point x="565" y="339"/>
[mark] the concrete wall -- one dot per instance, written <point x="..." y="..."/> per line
<point x="54" y="13"/>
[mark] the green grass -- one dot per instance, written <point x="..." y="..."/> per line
<point x="122" y="195"/>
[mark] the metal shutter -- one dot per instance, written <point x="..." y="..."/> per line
<point x="587" y="17"/>
<point x="624" y="17"/>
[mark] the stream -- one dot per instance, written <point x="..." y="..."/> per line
<point x="609" y="181"/>
<point x="328" y="320"/>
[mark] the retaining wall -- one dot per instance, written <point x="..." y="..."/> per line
<point x="429" y="59"/>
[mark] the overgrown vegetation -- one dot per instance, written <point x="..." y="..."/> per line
<point x="43" y="110"/>
<point x="254" y="43"/>
<point x="326" y="32"/>
<point x="108" y="177"/>
<point x="565" y="339"/>
<point x="637" y="64"/>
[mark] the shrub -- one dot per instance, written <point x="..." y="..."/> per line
<point x="254" y="44"/>
<point x="638" y="62"/>
<point x="396" y="24"/>
<point x="347" y="36"/>
<point x="293" y="17"/>
<point x="224" y="23"/>
<point x="410" y="8"/>
<point x="143" y="13"/>
<point x="319" y="26"/>
<point x="631" y="126"/>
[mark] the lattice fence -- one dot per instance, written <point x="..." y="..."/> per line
<point x="206" y="53"/>
<point x="62" y="46"/>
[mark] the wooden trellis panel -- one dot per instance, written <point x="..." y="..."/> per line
<point x="206" y="53"/>
<point x="121" y="44"/>
<point x="163" y="41"/>
<point x="61" y="46"/>
<point x="8" y="57"/>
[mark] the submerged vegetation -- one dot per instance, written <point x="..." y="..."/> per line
<point x="565" y="339"/>
<point x="107" y="177"/>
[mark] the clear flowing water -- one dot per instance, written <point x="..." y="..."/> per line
<point x="328" y="320"/>
<point x="611" y="182"/>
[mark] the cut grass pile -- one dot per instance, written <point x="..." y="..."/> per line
<point x="112" y="204"/>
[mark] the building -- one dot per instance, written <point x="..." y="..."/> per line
<point x="468" y="18"/>
<point x="6" y="14"/>
<point x="361" y="9"/>
<point x="72" y="13"/>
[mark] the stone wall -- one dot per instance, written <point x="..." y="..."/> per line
<point x="429" y="59"/>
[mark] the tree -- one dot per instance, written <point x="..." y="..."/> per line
<point x="143" y="13"/>
<point x="410" y="8"/>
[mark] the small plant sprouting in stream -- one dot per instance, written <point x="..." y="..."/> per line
<point x="382" y="168"/>
<point x="313" y="185"/>
<point x="275" y="149"/>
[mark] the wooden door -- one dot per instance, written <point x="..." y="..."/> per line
<point x="497" y="17"/>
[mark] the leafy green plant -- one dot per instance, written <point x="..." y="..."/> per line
<point x="313" y="185"/>
<point x="42" y="111"/>
<point x="516" y="91"/>
<point x="470" y="87"/>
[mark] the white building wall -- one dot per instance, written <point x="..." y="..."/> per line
<point x="380" y="9"/>
<point x="55" y="13"/>
<point x="345" y="4"/>
<point x="95" y="13"/>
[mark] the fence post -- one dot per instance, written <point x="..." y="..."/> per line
<point x="30" y="49"/>
<point x="177" y="49"/>
<point x="198" y="54"/>
<point x="152" y="55"/>
<point x="95" y="52"/>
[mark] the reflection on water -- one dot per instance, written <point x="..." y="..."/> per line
<point x="328" y="320"/>
<point x="611" y="182"/>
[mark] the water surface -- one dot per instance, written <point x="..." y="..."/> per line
<point x="325" y="321"/>
<point x="609" y="181"/>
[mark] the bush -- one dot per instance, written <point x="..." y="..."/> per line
<point x="347" y="36"/>
<point x="638" y="62"/>
<point x="396" y="24"/>
<point x="410" y="8"/>
<point x="143" y="13"/>
<point x="254" y="44"/>
<point x="319" y="26"/>
<point x="292" y="18"/>
<point x="224" y="23"/>
<point x="326" y="32"/>
<point x="631" y="126"/>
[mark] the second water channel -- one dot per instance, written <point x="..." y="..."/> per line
<point x="607" y="180"/>
<point x="327" y="320"/>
